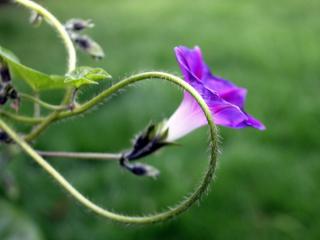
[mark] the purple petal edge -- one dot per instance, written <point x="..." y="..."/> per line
<point x="225" y="99"/>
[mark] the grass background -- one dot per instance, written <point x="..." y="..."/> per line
<point x="267" y="184"/>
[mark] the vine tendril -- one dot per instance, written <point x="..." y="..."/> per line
<point x="54" y="22"/>
<point x="61" y="113"/>
<point x="158" y="217"/>
<point x="72" y="60"/>
<point x="41" y="103"/>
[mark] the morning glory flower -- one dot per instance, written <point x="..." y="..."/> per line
<point x="225" y="99"/>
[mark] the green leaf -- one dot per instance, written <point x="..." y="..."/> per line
<point x="15" y="225"/>
<point x="41" y="81"/>
<point x="86" y="75"/>
<point x="36" y="79"/>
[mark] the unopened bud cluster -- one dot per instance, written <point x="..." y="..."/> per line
<point x="75" y="27"/>
<point x="146" y="143"/>
<point x="7" y="91"/>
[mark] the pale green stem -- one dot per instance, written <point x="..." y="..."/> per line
<point x="108" y="92"/>
<point x="103" y="95"/>
<point x="42" y="103"/>
<point x="22" y="119"/>
<point x="54" y="22"/>
<point x="36" y="105"/>
<point x="82" y="155"/>
<point x="42" y="126"/>
<point x="158" y="217"/>
<point x="72" y="59"/>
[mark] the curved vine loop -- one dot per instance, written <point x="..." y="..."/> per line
<point x="158" y="217"/>
<point x="60" y="114"/>
<point x="52" y="20"/>
<point x="72" y="60"/>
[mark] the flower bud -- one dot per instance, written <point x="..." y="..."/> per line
<point x="78" y="25"/>
<point x="89" y="46"/>
<point x="148" y="142"/>
<point x="4" y="137"/>
<point x="144" y="170"/>
<point x="12" y="93"/>
<point x="139" y="169"/>
<point x="4" y="73"/>
<point x="7" y="91"/>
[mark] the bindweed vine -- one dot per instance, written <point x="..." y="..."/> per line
<point x="206" y="97"/>
<point x="55" y="23"/>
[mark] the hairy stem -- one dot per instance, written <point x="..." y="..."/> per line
<point x="123" y="83"/>
<point x="42" y="126"/>
<point x="158" y="217"/>
<point x="101" y="97"/>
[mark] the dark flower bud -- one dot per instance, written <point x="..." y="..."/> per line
<point x="7" y="91"/>
<point x="148" y="142"/>
<point x="78" y="25"/>
<point x="4" y="73"/>
<point x="85" y="43"/>
<point x="140" y="169"/>
<point x="10" y="92"/>
<point x="82" y="42"/>
<point x="144" y="170"/>
<point x="4" y="137"/>
<point x="13" y="94"/>
<point x="89" y="46"/>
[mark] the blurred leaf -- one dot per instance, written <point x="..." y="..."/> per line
<point x="15" y="226"/>
<point x="86" y="75"/>
<point x="41" y="81"/>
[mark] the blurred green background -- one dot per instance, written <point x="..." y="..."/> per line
<point x="267" y="184"/>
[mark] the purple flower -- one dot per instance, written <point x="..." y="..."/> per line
<point x="225" y="99"/>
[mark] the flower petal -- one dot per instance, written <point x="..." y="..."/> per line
<point x="236" y="96"/>
<point x="225" y="100"/>
<point x="191" y="63"/>
<point x="252" y="122"/>
<point x="185" y="119"/>
<point x="217" y="84"/>
<point x="189" y="115"/>
<point x="227" y="115"/>
<point x="224" y="112"/>
<point x="195" y="71"/>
